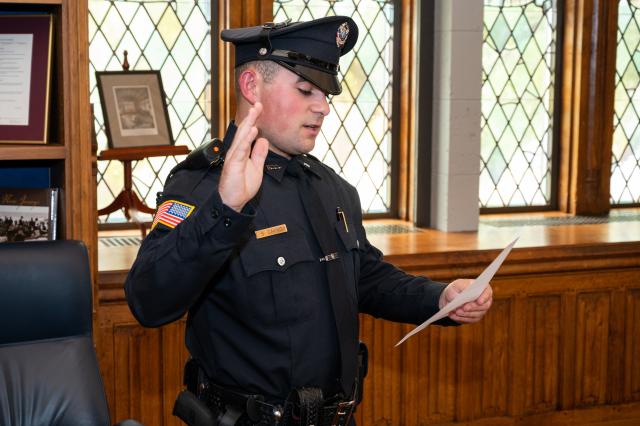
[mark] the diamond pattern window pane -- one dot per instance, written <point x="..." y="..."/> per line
<point x="518" y="80"/>
<point x="165" y="35"/>
<point x="356" y="136"/>
<point x="625" y="155"/>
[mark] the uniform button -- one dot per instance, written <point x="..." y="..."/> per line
<point x="227" y="222"/>
<point x="281" y="261"/>
<point x="215" y="213"/>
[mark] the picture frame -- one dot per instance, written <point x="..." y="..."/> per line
<point x="134" y="109"/>
<point x="28" y="214"/>
<point x="26" y="42"/>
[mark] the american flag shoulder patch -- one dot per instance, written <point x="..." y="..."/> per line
<point x="171" y="212"/>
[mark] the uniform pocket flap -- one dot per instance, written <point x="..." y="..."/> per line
<point x="276" y="253"/>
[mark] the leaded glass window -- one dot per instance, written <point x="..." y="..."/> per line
<point x="356" y="137"/>
<point x="625" y="149"/>
<point x="173" y="36"/>
<point x="518" y="85"/>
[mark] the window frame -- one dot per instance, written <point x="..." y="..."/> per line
<point x="255" y="12"/>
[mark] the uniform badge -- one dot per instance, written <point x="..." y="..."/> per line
<point x="342" y="34"/>
<point x="171" y="213"/>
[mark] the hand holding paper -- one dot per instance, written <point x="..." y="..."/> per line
<point x="469" y="294"/>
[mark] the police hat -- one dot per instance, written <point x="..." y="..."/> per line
<point x="310" y="49"/>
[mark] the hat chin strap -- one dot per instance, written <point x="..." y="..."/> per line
<point x="297" y="56"/>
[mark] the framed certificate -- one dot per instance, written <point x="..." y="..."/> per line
<point x="25" y="77"/>
<point x="134" y="108"/>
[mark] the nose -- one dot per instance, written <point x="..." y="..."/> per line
<point x="321" y="105"/>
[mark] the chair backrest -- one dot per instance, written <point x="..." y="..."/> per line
<point x="48" y="368"/>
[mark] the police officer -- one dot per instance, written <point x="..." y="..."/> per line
<point x="263" y="245"/>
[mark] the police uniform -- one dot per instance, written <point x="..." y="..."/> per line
<point x="261" y="312"/>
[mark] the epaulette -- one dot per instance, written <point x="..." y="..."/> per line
<point x="209" y="154"/>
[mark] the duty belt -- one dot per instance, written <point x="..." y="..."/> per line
<point x="303" y="407"/>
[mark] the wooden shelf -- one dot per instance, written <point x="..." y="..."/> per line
<point x="142" y="152"/>
<point x="31" y="152"/>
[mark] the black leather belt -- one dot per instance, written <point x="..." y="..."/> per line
<point x="304" y="407"/>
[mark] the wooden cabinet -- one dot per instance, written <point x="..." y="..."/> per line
<point x="68" y="155"/>
<point x="559" y="345"/>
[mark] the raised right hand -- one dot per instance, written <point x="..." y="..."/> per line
<point x="243" y="166"/>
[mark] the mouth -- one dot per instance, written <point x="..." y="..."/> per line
<point x="314" y="128"/>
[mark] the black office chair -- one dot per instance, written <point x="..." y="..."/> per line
<point x="48" y="368"/>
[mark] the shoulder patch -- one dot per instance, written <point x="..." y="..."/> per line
<point x="171" y="212"/>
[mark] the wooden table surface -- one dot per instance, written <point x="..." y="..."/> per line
<point x="494" y="232"/>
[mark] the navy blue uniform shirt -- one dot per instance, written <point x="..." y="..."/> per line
<point x="260" y="317"/>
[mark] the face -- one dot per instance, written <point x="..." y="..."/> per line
<point x="293" y="113"/>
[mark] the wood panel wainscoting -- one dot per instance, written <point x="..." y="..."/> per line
<point x="560" y="345"/>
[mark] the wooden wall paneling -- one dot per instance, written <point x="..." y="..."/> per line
<point x="137" y="354"/>
<point x="395" y="375"/>
<point x="592" y="348"/>
<point x="495" y="352"/>
<point x="547" y="352"/>
<point x="542" y="353"/>
<point x="615" y="367"/>
<point x="412" y="386"/>
<point x="468" y="359"/>
<point x="174" y="357"/>
<point x="631" y="387"/>
<point x="367" y="336"/>
<point x="517" y="372"/>
<point x="441" y="367"/>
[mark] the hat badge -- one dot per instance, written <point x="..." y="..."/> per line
<point x="342" y="34"/>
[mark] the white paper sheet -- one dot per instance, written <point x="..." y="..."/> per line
<point x="469" y="294"/>
<point x="15" y="78"/>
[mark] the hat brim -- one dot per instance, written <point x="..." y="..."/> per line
<point x="328" y="83"/>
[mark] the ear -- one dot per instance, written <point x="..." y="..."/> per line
<point x="248" y="82"/>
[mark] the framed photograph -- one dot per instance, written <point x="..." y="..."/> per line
<point x="134" y="108"/>
<point x="25" y="77"/>
<point x="28" y="214"/>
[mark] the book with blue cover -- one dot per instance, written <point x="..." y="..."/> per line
<point x="25" y="177"/>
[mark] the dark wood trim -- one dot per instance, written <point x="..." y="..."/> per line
<point x="557" y="111"/>
<point x="424" y="106"/>
<point x="215" y="77"/>
<point x="397" y="104"/>
<point x="588" y="93"/>
<point x="403" y="144"/>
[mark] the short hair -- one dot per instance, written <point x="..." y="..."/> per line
<point x="266" y="69"/>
